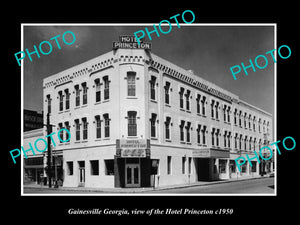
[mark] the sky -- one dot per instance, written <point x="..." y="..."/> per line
<point x="208" y="50"/>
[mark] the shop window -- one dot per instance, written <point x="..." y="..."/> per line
<point x="94" y="167"/>
<point x="109" y="167"/>
<point x="70" y="168"/>
<point x="253" y="168"/>
<point x="183" y="164"/>
<point x="190" y="165"/>
<point x="222" y="166"/>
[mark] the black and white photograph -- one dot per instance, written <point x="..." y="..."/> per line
<point x="149" y="118"/>
<point x="150" y="112"/>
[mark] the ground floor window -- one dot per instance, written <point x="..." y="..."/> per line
<point x="109" y="167"/>
<point x="70" y="168"/>
<point x="94" y="167"/>
<point x="244" y="167"/>
<point x="253" y="168"/>
<point x="222" y="165"/>
<point x="232" y="166"/>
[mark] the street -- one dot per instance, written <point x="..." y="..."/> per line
<point x="265" y="185"/>
<point x="251" y="186"/>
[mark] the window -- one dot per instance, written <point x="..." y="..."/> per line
<point x="240" y="118"/>
<point x="212" y="108"/>
<point x="152" y="87"/>
<point x="188" y="134"/>
<point x="106" y="125"/>
<point x="61" y="101"/>
<point x="77" y="95"/>
<point x="85" y="128"/>
<point x="49" y="103"/>
<point x="61" y="134"/>
<point x="235" y="140"/>
<point x="198" y="103"/>
<point x="181" y="97"/>
<point x="225" y="137"/>
<point x="228" y="141"/>
<point x="109" y="167"/>
<point x="203" y="105"/>
<point x="70" y="168"/>
<point x="198" y="134"/>
<point x="183" y="164"/>
<point x="84" y="94"/>
<point x="106" y="87"/>
<point x="187" y="99"/>
<point x="98" y="126"/>
<point x="222" y="166"/>
<point x="203" y="135"/>
<point x="250" y="140"/>
<point x="217" y="110"/>
<point x="132" y="127"/>
<point x="190" y="165"/>
<point x="131" y="83"/>
<point x="77" y="128"/>
<point x="153" y="124"/>
<point x="169" y="165"/>
<point x="67" y="126"/>
<point x="228" y="114"/>
<point x="224" y="111"/>
<point x="245" y="121"/>
<point x="253" y="123"/>
<point x="232" y="166"/>
<point x="212" y="137"/>
<point x="67" y="98"/>
<point x="167" y="128"/>
<point x="240" y="141"/>
<point x="253" y="169"/>
<point x="167" y="93"/>
<point x="181" y="126"/>
<point x="235" y="121"/>
<point x="249" y="122"/>
<point x="217" y="137"/>
<point x="98" y="90"/>
<point x="245" y="143"/>
<point x="94" y="167"/>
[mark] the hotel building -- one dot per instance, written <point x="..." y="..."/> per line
<point x="137" y="120"/>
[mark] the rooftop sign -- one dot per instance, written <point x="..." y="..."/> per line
<point x="129" y="42"/>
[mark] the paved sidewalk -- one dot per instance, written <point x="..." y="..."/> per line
<point x="133" y="190"/>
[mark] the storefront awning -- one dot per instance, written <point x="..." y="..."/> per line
<point x="210" y="153"/>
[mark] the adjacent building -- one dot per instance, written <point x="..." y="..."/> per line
<point x="137" y="120"/>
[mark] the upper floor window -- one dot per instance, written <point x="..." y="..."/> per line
<point x="188" y="134"/>
<point x="106" y="125"/>
<point x="152" y="87"/>
<point x="77" y="95"/>
<point x="153" y="124"/>
<point x="98" y="126"/>
<point x="198" y="103"/>
<point x="187" y="96"/>
<point x="131" y="83"/>
<point x="132" y="126"/>
<point x="181" y="97"/>
<point x="77" y="129"/>
<point x="84" y="93"/>
<point x="61" y="100"/>
<point x="85" y="128"/>
<point x="167" y="93"/>
<point x="67" y="98"/>
<point x="203" y="105"/>
<point x="98" y="90"/>
<point x="67" y="126"/>
<point x="106" y="87"/>
<point x="181" y="126"/>
<point x="167" y="128"/>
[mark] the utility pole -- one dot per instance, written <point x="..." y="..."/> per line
<point x="49" y="131"/>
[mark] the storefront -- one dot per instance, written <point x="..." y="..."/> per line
<point x="133" y="165"/>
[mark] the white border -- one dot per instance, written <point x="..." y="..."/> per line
<point x="274" y="129"/>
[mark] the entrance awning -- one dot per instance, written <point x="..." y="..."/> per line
<point x="210" y="153"/>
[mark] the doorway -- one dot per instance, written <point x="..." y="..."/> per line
<point x="81" y="174"/>
<point x="203" y="169"/>
<point x="132" y="174"/>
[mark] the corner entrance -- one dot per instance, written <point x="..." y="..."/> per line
<point x="132" y="173"/>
